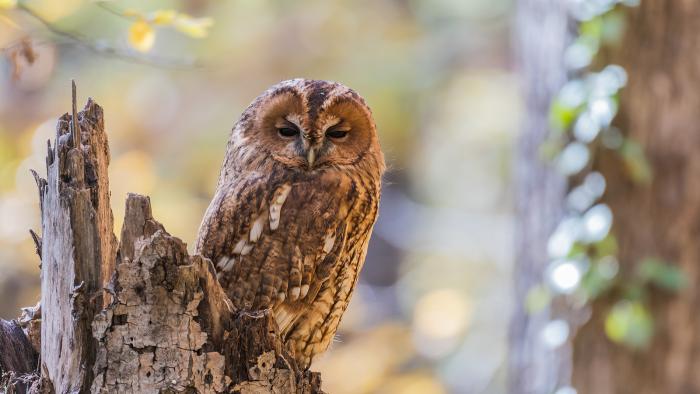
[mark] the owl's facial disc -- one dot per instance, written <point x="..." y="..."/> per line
<point x="308" y="130"/>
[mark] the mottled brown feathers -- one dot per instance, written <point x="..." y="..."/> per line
<point x="292" y="215"/>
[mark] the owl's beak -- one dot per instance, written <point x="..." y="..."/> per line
<point x="311" y="156"/>
<point x="310" y="148"/>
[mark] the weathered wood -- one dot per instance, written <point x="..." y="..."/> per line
<point x="77" y="247"/>
<point x="144" y="317"/>
<point x="17" y="356"/>
<point x="262" y="365"/>
<point x="30" y="321"/>
<point x="171" y="326"/>
<point x="149" y="337"/>
<point x="542" y="34"/>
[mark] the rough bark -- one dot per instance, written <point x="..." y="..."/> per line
<point x="172" y="328"/>
<point x="660" y="111"/>
<point x="144" y="317"/>
<point x="17" y="356"/>
<point x="541" y="37"/>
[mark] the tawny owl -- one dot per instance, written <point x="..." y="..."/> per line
<point x="294" y="208"/>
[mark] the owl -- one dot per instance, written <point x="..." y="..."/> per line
<point x="295" y="204"/>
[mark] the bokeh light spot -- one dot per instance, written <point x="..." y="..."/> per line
<point x="564" y="276"/>
<point x="555" y="333"/>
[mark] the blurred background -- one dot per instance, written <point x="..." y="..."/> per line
<point x="432" y="309"/>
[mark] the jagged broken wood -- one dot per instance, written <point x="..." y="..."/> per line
<point x="138" y="316"/>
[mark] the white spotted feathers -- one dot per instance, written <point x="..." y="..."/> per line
<point x="244" y="245"/>
<point x="276" y="205"/>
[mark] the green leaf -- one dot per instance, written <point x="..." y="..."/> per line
<point x="591" y="42"/>
<point x="606" y="246"/>
<point x="636" y="162"/>
<point x="634" y="291"/>
<point x="592" y="28"/>
<point x="613" y="27"/>
<point x="538" y="298"/>
<point x="662" y="274"/>
<point x="595" y="282"/>
<point x="561" y="116"/>
<point x="577" y="250"/>
<point x="629" y="323"/>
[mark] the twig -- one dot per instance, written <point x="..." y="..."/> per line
<point x="111" y="10"/>
<point x="104" y="50"/>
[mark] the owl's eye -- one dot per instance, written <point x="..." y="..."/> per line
<point x="287" y="132"/>
<point x="336" y="134"/>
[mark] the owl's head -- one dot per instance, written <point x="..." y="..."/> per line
<point x="305" y="126"/>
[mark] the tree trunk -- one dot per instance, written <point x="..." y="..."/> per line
<point x="660" y="110"/>
<point x="541" y="37"/>
<point x="142" y="316"/>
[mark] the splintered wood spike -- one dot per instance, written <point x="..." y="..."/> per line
<point x="74" y="119"/>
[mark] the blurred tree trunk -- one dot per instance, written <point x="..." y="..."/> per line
<point x="660" y="109"/>
<point x="541" y="35"/>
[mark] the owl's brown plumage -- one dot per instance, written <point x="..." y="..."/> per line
<point x="292" y="215"/>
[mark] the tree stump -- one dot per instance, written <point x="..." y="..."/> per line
<point x="140" y="315"/>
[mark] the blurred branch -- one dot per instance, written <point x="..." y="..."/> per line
<point x="102" y="49"/>
<point x="110" y="9"/>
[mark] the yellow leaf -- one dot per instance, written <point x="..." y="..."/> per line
<point x="193" y="27"/>
<point x="163" y="17"/>
<point x="52" y="10"/>
<point x="7" y="4"/>
<point x="141" y="36"/>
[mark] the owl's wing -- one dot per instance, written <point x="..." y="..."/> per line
<point x="276" y="242"/>
<point x="229" y="216"/>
